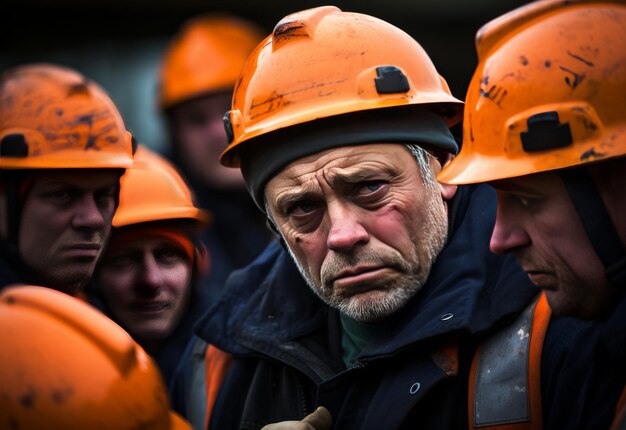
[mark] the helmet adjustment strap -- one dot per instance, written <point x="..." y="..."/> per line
<point x="597" y="222"/>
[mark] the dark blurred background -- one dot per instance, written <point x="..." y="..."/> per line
<point x="119" y="43"/>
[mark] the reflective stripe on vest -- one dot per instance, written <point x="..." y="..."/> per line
<point x="216" y="364"/>
<point x="196" y="398"/>
<point x="505" y="382"/>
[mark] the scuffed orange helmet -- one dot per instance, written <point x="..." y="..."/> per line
<point x="65" y="365"/>
<point x="323" y="68"/>
<point x="206" y="56"/>
<point x="548" y="92"/>
<point x="153" y="190"/>
<point x="53" y="117"/>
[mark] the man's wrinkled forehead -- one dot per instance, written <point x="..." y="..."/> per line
<point x="262" y="157"/>
<point x="300" y="177"/>
<point x="337" y="167"/>
<point x="348" y="163"/>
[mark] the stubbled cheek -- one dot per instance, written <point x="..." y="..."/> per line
<point x="398" y="200"/>
<point x="394" y="210"/>
<point x="303" y="243"/>
<point x="306" y="248"/>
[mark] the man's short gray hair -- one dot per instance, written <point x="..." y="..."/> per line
<point x="423" y="159"/>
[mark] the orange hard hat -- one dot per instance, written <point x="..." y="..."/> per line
<point x="548" y="92"/>
<point x="323" y="62"/>
<point x="153" y="190"/>
<point x="319" y="68"/>
<point x="206" y="56"/>
<point x="53" y="117"/>
<point x="65" y="365"/>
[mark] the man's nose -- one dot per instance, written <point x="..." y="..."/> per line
<point x="508" y="234"/>
<point x="88" y="214"/>
<point x="347" y="229"/>
<point x="151" y="275"/>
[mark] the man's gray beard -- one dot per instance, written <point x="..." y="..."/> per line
<point x="394" y="299"/>
<point x="391" y="302"/>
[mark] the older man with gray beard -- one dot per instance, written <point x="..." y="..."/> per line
<point x="365" y="279"/>
<point x="340" y="124"/>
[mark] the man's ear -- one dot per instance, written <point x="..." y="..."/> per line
<point x="447" y="191"/>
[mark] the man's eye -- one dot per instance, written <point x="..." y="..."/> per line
<point x="107" y="196"/>
<point x="119" y="261"/>
<point x="302" y="209"/>
<point x="59" y="196"/>
<point x="527" y="202"/>
<point x="523" y="200"/>
<point x="109" y="192"/>
<point x="169" y="255"/>
<point x="370" y="187"/>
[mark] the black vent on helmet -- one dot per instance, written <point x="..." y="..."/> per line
<point x="545" y="132"/>
<point x="14" y="145"/>
<point x="391" y="80"/>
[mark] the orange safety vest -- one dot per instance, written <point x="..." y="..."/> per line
<point x="217" y="363"/>
<point x="505" y="382"/>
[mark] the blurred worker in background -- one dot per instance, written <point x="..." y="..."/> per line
<point x="199" y="70"/>
<point x="66" y="366"/>
<point x="545" y="125"/>
<point x="63" y="148"/>
<point x="148" y="278"/>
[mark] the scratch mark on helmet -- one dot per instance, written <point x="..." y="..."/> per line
<point x="579" y="58"/>
<point x="591" y="154"/>
<point x="575" y="79"/>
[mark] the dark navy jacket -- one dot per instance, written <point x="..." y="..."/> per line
<point x="286" y="342"/>
<point x="12" y="269"/>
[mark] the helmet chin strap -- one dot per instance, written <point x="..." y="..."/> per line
<point x="597" y="223"/>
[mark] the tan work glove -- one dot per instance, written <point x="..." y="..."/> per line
<point x="320" y="419"/>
